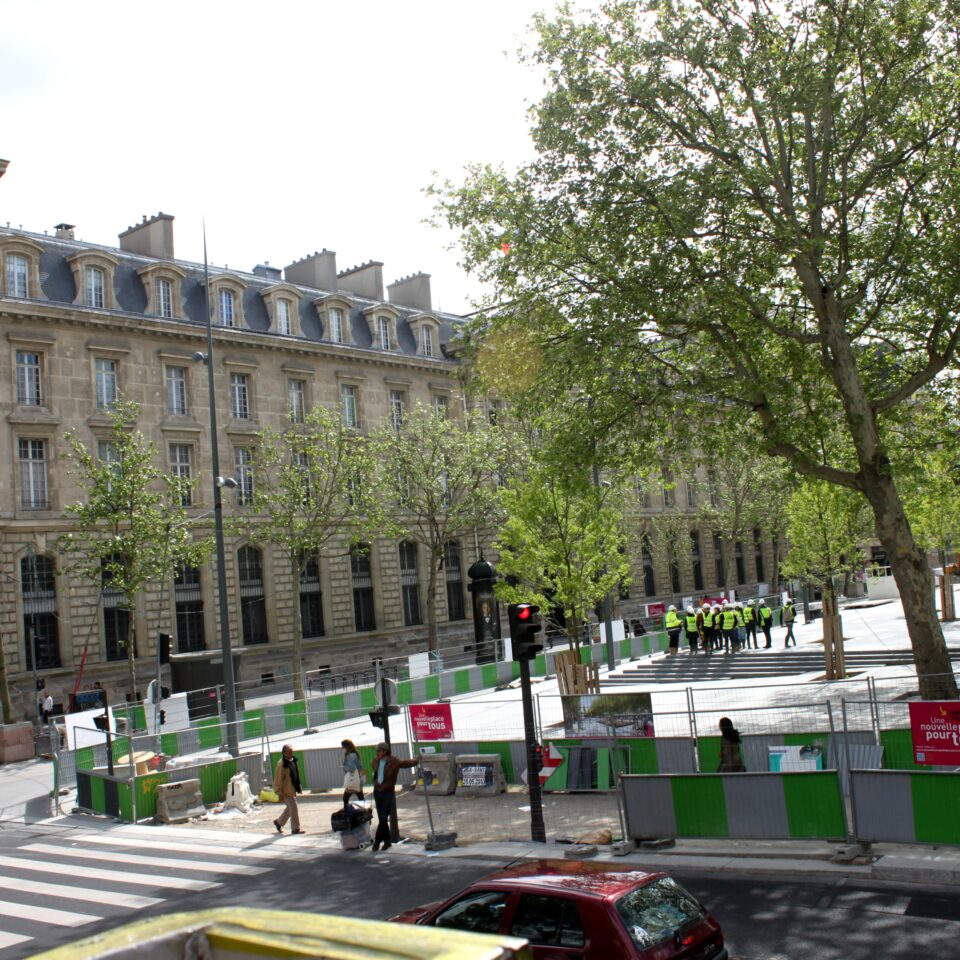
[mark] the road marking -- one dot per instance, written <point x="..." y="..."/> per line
<point x="202" y="866"/>
<point x="86" y="894"/>
<point x="11" y="939"/>
<point x="270" y="853"/>
<point x="119" y="876"/>
<point x="59" y="918"/>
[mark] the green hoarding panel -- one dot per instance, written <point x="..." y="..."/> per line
<point x="814" y="806"/>
<point x="603" y="768"/>
<point x="368" y="698"/>
<point x="146" y="788"/>
<point x="647" y="645"/>
<point x="699" y="806"/>
<point x="936" y="800"/>
<point x="488" y="673"/>
<point x="558" y="779"/>
<point x="295" y="715"/>
<point x="98" y="800"/>
<point x="253" y="725"/>
<point x="125" y="797"/>
<point x="586" y="654"/>
<point x="503" y="749"/>
<point x="405" y="692"/>
<point x="432" y="687"/>
<point x="210" y="733"/>
<point x="898" y="750"/>
<point x="516" y="669"/>
<point x="461" y="681"/>
<point x="335" y="709"/>
<point x="626" y="648"/>
<point x="708" y="749"/>
<point x="140" y="718"/>
<point x="170" y="744"/>
<point x="538" y="666"/>
<point x="84" y="758"/>
<point x="642" y="756"/>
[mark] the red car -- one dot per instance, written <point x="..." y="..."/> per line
<point x="570" y="909"/>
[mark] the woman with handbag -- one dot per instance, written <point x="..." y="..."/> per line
<point x="353" y="772"/>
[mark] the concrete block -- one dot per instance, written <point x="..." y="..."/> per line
<point x="16" y="742"/>
<point x="580" y="851"/>
<point x="439" y="771"/>
<point x="441" y="841"/>
<point x="622" y="847"/>
<point x="480" y="775"/>
<point x="178" y="802"/>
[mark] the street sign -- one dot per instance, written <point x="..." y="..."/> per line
<point x="552" y="758"/>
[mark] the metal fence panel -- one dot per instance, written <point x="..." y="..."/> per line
<point x="882" y="806"/>
<point x="756" y="808"/>
<point x="648" y="807"/>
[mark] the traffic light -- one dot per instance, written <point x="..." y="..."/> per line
<point x="538" y="756"/>
<point x="525" y="624"/>
<point x="376" y="716"/>
<point x="163" y="717"/>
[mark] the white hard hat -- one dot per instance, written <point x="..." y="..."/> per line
<point x="706" y="606"/>
<point x="749" y="603"/>
<point x="672" y="607"/>
<point x="690" y="609"/>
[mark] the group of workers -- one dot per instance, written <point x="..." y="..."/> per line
<point x="728" y="627"/>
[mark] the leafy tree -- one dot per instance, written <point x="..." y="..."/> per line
<point x="311" y="484"/>
<point x="826" y="526"/>
<point x="743" y="210"/>
<point x="563" y="541"/>
<point x="437" y="481"/>
<point x="132" y="526"/>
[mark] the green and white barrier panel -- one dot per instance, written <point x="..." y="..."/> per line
<point x="905" y="807"/>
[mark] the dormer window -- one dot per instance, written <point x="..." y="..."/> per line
<point x="93" y="283"/>
<point x="226" y="298"/>
<point x="382" y="321"/>
<point x="161" y="281"/>
<point x="383" y="333"/>
<point x="334" y="314"/>
<point x="282" y="301"/>
<point x="425" y="328"/>
<point x="426" y="341"/>
<point x="225" y="307"/>
<point x="21" y="270"/>
<point x="93" y="277"/>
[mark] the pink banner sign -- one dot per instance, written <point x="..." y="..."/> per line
<point x="431" y="721"/>
<point x="936" y="732"/>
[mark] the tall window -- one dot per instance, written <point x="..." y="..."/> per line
<point x="453" y="572"/>
<point x="348" y="406"/>
<point x="691" y="494"/>
<point x="29" y="379"/>
<point x="301" y="460"/>
<point x="188" y="598"/>
<point x="38" y="591"/>
<point x="32" y="457"/>
<point x="440" y="405"/>
<point x="164" y="289"/>
<point x="284" y="317"/>
<point x="17" y="273"/>
<point x="362" y="578"/>
<point x="176" y="391"/>
<point x="105" y="372"/>
<point x="180" y="466"/>
<point x="649" y="580"/>
<point x="225" y="302"/>
<point x="116" y="616"/>
<point x="695" y="557"/>
<point x="758" y="554"/>
<point x="243" y="474"/>
<point x="426" y="341"/>
<point x="335" y="317"/>
<point x="738" y="559"/>
<point x="240" y="396"/>
<point x="667" y="488"/>
<point x="718" y="560"/>
<point x="296" y="399"/>
<point x="398" y="405"/>
<point x="311" y="598"/>
<point x="383" y="328"/>
<point x="253" y="603"/>
<point x="712" y="483"/>
<point x="93" y="283"/>
<point x="674" y="570"/>
<point x="410" y="584"/>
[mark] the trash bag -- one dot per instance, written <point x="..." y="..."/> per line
<point x="268" y="796"/>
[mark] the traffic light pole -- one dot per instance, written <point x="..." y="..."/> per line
<point x="538" y="832"/>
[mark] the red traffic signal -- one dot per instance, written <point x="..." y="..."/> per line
<point x="524" y="625"/>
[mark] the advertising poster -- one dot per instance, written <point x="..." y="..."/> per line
<point x="935" y="726"/>
<point x="431" y="721"/>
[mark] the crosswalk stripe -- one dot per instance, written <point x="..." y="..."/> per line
<point x="59" y="918"/>
<point x="251" y="853"/>
<point x="115" y="876"/>
<point x="234" y="839"/>
<point x="87" y="894"/>
<point x="201" y="866"/>
<point x="12" y="939"/>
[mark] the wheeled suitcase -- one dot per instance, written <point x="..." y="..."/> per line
<point x="350" y="817"/>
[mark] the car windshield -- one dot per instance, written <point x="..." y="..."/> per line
<point x="655" y="912"/>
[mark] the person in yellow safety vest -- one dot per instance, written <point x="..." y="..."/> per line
<point x="739" y="632"/>
<point x="787" y="616"/>
<point x="706" y="613"/>
<point x="765" y="616"/>
<point x="729" y="628"/>
<point x="750" y="623"/>
<point x="673" y="625"/>
<point x="691" y="623"/>
<point x="717" y="627"/>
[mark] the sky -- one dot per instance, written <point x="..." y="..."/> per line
<point x="286" y="127"/>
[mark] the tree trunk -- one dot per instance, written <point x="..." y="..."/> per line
<point x="131" y="665"/>
<point x="912" y="574"/>
<point x="297" y="632"/>
<point x="5" y="688"/>
<point x="948" y="611"/>
<point x="436" y="564"/>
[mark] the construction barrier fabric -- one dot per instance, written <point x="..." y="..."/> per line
<point x="906" y="807"/>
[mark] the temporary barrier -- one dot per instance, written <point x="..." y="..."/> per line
<point x="438" y="773"/>
<point x="479" y="775"/>
<point x="905" y="807"/>
<point x="738" y="806"/>
<point x="179" y="802"/>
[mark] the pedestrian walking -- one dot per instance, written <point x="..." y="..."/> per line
<point x="787" y="617"/>
<point x="286" y="785"/>
<point x="731" y="759"/>
<point x="353" y="774"/>
<point x="765" y="617"/>
<point x="385" y="769"/>
<point x="673" y="625"/>
<point x="46" y="707"/>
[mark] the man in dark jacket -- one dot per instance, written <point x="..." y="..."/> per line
<point x="385" y="769"/>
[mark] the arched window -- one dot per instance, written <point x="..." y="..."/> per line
<point x="38" y="584"/>
<point x="410" y="584"/>
<point x="253" y="603"/>
<point x="362" y="578"/>
<point x="188" y="598"/>
<point x="453" y="571"/>
<point x="649" y="580"/>
<point x="311" y="598"/>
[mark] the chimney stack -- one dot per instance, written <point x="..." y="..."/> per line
<point x="64" y="231"/>
<point x="366" y="280"/>
<point x="152" y="238"/>
<point x="317" y="270"/>
<point x="412" y="291"/>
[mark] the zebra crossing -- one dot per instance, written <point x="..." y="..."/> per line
<point x="111" y="873"/>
